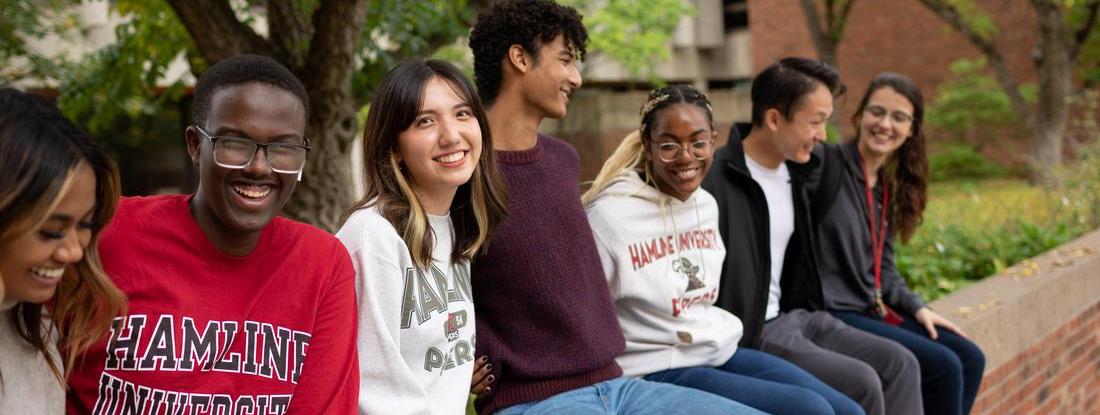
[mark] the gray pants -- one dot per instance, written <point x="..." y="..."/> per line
<point x="880" y="374"/>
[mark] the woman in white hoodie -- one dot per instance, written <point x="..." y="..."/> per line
<point x="657" y="233"/>
<point x="433" y="198"/>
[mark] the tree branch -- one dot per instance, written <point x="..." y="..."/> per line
<point x="836" y="29"/>
<point x="336" y="25"/>
<point x="1082" y="33"/>
<point x="817" y="33"/>
<point x="289" y="33"/>
<point x="953" y="18"/>
<point x="216" y="31"/>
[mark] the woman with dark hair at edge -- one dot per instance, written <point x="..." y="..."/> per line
<point x="877" y="191"/>
<point x="433" y="200"/>
<point x="648" y="195"/>
<point x="57" y="191"/>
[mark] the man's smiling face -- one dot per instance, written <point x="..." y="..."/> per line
<point x="247" y="199"/>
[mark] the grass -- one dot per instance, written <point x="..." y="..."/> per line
<point x="976" y="228"/>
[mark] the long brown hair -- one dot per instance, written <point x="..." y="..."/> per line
<point x="906" y="171"/>
<point x="39" y="152"/>
<point x="479" y="206"/>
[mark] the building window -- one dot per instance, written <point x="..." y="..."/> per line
<point x="736" y="13"/>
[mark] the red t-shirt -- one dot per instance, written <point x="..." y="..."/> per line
<point x="268" y="333"/>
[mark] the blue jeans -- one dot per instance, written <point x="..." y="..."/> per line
<point x="764" y="382"/>
<point x="631" y="396"/>
<point x="951" y="366"/>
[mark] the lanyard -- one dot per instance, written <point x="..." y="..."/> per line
<point x="878" y="239"/>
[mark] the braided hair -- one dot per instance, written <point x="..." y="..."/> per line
<point x="632" y="152"/>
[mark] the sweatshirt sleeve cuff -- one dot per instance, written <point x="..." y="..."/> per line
<point x="912" y="303"/>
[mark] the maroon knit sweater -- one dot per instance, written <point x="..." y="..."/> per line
<point x="544" y="312"/>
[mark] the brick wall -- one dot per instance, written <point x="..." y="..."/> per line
<point x="1058" y="375"/>
<point x="897" y="36"/>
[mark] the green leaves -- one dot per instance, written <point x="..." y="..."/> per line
<point x="973" y="107"/>
<point x="634" y="34"/>
<point x="397" y="30"/>
<point x="969" y="234"/>
<point x="974" y="17"/>
<point x="127" y="78"/>
<point x="31" y="21"/>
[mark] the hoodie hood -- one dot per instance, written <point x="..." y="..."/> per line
<point x="629" y="183"/>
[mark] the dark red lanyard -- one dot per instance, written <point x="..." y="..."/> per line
<point x="878" y="239"/>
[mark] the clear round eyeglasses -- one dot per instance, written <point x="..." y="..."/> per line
<point x="699" y="150"/>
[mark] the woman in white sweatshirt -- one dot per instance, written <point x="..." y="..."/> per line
<point x="657" y="233"/>
<point x="433" y="199"/>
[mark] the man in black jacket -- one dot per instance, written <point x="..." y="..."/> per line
<point x="770" y="280"/>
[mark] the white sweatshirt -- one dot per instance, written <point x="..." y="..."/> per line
<point x="663" y="262"/>
<point x="416" y="327"/>
<point x="27" y="385"/>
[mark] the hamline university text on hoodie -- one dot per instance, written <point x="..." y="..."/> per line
<point x="663" y="261"/>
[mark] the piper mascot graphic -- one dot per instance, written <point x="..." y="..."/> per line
<point x="683" y="266"/>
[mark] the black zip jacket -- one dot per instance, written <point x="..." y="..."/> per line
<point x="743" y="222"/>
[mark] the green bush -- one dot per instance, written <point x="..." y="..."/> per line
<point x="959" y="161"/>
<point x="972" y="107"/>
<point x="951" y="257"/>
<point x="976" y="228"/>
<point x="1084" y="175"/>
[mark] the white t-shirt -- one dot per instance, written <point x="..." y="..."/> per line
<point x="416" y="326"/>
<point x="776" y="184"/>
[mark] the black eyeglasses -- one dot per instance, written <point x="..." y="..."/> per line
<point x="237" y="153"/>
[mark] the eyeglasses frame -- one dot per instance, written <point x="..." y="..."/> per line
<point x="680" y="149"/>
<point x="258" y="146"/>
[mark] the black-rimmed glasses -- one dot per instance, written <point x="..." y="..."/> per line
<point x="237" y="153"/>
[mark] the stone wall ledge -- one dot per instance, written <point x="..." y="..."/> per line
<point x="1007" y="313"/>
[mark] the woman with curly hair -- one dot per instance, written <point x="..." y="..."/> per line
<point x="875" y="190"/>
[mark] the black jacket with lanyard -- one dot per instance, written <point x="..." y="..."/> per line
<point x="842" y="205"/>
<point x="744" y="224"/>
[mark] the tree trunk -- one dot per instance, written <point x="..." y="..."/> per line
<point x="325" y="191"/>
<point x="1054" y="67"/>
<point x="326" y="188"/>
<point x="820" y="32"/>
<point x="326" y="69"/>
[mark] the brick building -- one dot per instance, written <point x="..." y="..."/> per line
<point x="895" y="35"/>
<point x="727" y="41"/>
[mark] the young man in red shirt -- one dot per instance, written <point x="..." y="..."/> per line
<point x="231" y="308"/>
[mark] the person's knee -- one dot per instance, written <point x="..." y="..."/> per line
<point x="811" y="402"/>
<point x="861" y="382"/>
<point x="847" y="406"/>
<point x="945" y="363"/>
<point x="973" y="359"/>
<point x="900" y="363"/>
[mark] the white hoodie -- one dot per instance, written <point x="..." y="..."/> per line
<point x="416" y="327"/>
<point x="663" y="261"/>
